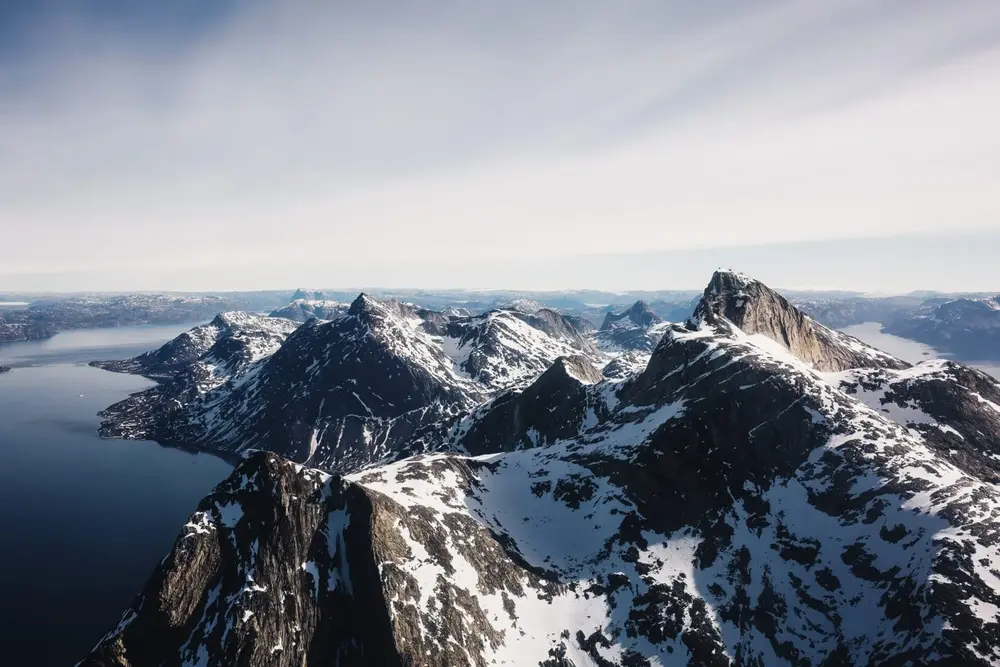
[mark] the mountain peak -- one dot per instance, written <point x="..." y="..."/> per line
<point x="639" y="314"/>
<point x="362" y="303"/>
<point x="302" y="293"/>
<point x="233" y="318"/>
<point x="757" y="309"/>
<point x="577" y="367"/>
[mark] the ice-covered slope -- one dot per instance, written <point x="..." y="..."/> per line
<point x="729" y="505"/>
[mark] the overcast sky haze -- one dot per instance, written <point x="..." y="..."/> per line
<point x="196" y="145"/>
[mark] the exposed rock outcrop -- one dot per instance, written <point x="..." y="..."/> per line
<point x="756" y="309"/>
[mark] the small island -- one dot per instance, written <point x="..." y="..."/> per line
<point x="4" y="369"/>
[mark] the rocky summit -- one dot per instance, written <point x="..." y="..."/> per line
<point x="765" y="491"/>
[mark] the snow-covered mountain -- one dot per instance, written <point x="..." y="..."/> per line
<point x="224" y="347"/>
<point x="637" y="329"/>
<point x="301" y="310"/>
<point x="744" y="500"/>
<point x="344" y="393"/>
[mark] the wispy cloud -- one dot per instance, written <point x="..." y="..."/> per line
<point x="368" y="136"/>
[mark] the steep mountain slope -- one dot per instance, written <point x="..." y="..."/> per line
<point x="729" y="505"/>
<point x="756" y="309"/>
<point x="301" y="310"/>
<point x="345" y="393"/>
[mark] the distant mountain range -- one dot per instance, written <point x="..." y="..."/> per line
<point x="47" y="317"/>
<point x="425" y="488"/>
<point x="959" y="326"/>
<point x="963" y="328"/>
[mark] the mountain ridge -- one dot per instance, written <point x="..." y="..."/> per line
<point x="732" y="503"/>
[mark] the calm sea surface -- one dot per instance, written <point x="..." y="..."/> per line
<point x="83" y="521"/>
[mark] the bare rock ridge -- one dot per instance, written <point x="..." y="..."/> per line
<point x="756" y="309"/>
<point x="733" y="504"/>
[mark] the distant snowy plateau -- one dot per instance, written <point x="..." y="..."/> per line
<point x="518" y="487"/>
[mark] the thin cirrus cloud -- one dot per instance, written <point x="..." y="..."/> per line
<point x="197" y="146"/>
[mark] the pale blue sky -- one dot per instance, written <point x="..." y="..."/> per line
<point x="193" y="145"/>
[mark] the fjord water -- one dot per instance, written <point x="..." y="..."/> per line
<point x="83" y="521"/>
<point x="906" y="349"/>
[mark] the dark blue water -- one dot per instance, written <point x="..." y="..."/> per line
<point x="83" y="521"/>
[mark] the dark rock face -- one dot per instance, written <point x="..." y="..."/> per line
<point x="963" y="328"/>
<point x="756" y="309"/>
<point x="276" y="567"/>
<point x="4" y="369"/>
<point x="729" y="505"/>
<point x="555" y="406"/>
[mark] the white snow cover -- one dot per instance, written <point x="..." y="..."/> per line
<point x="510" y="497"/>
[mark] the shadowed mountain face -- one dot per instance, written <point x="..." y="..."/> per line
<point x="746" y="499"/>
